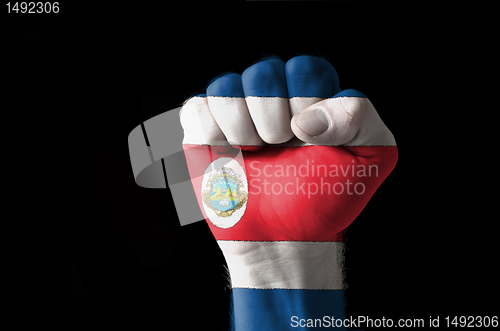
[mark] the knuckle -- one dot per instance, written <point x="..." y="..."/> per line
<point x="226" y="85"/>
<point x="265" y="79"/>
<point x="353" y="106"/>
<point x="193" y="109"/>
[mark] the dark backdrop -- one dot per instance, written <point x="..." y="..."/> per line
<point x="83" y="246"/>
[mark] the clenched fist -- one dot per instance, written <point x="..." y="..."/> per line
<point x="282" y="161"/>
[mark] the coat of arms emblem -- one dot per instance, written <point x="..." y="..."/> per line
<point x="225" y="192"/>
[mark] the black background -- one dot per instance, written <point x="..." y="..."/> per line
<point x="82" y="246"/>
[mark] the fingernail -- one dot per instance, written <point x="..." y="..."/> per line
<point x="314" y="122"/>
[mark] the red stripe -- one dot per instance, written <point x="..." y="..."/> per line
<point x="309" y="206"/>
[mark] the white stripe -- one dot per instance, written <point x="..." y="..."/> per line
<point x="244" y="121"/>
<point x="299" y="103"/>
<point x="199" y="125"/>
<point x="285" y="264"/>
<point x="233" y="117"/>
<point x="271" y="117"/>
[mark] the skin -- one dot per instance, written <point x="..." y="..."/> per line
<point x="350" y="121"/>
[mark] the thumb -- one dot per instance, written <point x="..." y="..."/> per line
<point x="346" y="119"/>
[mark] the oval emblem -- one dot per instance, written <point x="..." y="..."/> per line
<point x="224" y="191"/>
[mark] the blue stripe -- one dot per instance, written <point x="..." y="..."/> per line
<point x="226" y="86"/>
<point x="265" y="79"/>
<point x="309" y="76"/>
<point x="349" y="93"/>
<point x="301" y="76"/>
<point x="262" y="310"/>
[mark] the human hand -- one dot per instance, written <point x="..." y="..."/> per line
<point x="280" y="168"/>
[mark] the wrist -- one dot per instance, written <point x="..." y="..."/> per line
<point x="285" y="264"/>
<point x="276" y="283"/>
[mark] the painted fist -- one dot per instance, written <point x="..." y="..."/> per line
<point x="282" y="161"/>
<point x="305" y="159"/>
